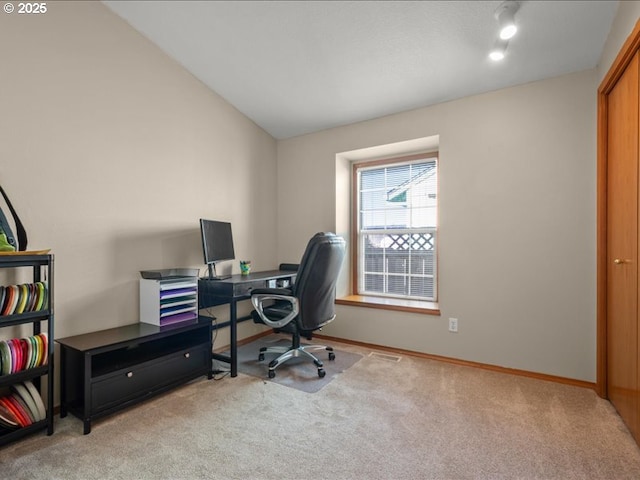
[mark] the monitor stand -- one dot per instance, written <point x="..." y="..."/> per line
<point x="212" y="274"/>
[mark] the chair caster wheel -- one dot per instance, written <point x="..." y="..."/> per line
<point x="321" y="373"/>
<point x="272" y="373"/>
<point x="332" y="356"/>
<point x="261" y="357"/>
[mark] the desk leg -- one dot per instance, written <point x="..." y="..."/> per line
<point x="63" y="382"/>
<point x="233" y="333"/>
<point x="86" y="407"/>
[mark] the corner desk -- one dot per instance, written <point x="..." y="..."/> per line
<point x="230" y="291"/>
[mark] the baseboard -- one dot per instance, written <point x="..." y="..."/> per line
<point x="466" y="363"/>
<point x="244" y="341"/>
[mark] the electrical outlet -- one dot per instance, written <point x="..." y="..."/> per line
<point x="453" y="325"/>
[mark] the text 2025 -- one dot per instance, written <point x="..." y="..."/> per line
<point x="32" y="8"/>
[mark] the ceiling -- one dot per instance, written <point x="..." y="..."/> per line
<point x="297" y="67"/>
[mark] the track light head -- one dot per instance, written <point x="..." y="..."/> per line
<point x="498" y="51"/>
<point x="506" y="16"/>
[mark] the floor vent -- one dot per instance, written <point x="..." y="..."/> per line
<point x="385" y="356"/>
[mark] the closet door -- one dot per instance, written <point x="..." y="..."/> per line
<point x="622" y="247"/>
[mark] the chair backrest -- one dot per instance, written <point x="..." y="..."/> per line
<point x="315" y="285"/>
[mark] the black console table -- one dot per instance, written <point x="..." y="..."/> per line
<point x="230" y="291"/>
<point x="105" y="371"/>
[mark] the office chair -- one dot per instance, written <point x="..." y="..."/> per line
<point x="307" y="305"/>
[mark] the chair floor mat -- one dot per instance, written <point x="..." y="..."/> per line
<point x="299" y="373"/>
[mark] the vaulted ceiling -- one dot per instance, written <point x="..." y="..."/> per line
<point x="296" y="67"/>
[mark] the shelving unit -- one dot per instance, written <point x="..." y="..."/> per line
<point x="168" y="301"/>
<point x="40" y="264"/>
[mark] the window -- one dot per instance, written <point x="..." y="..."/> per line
<point x="396" y="211"/>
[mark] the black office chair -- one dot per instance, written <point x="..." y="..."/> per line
<point x="306" y="306"/>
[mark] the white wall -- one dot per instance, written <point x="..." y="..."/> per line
<point x="517" y="229"/>
<point x="111" y="152"/>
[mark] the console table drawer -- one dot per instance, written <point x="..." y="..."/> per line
<point x="139" y="380"/>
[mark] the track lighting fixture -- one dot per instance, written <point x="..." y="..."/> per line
<point x="506" y="16"/>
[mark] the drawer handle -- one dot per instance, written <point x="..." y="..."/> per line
<point x="129" y="374"/>
<point x="187" y="355"/>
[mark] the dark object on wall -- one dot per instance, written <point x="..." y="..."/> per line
<point x="21" y="244"/>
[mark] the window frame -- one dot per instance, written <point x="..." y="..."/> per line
<point x="355" y="226"/>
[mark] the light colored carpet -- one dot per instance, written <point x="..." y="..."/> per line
<point x="300" y="373"/>
<point x="414" y="419"/>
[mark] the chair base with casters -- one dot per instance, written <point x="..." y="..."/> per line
<point x="295" y="350"/>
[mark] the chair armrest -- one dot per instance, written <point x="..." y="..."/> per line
<point x="261" y="295"/>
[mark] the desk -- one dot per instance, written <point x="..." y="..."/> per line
<point x="232" y="290"/>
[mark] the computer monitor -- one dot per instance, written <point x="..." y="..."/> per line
<point x="217" y="244"/>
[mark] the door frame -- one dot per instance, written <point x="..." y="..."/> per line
<point x="626" y="53"/>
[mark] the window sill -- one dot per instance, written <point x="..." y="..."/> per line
<point x="384" y="303"/>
